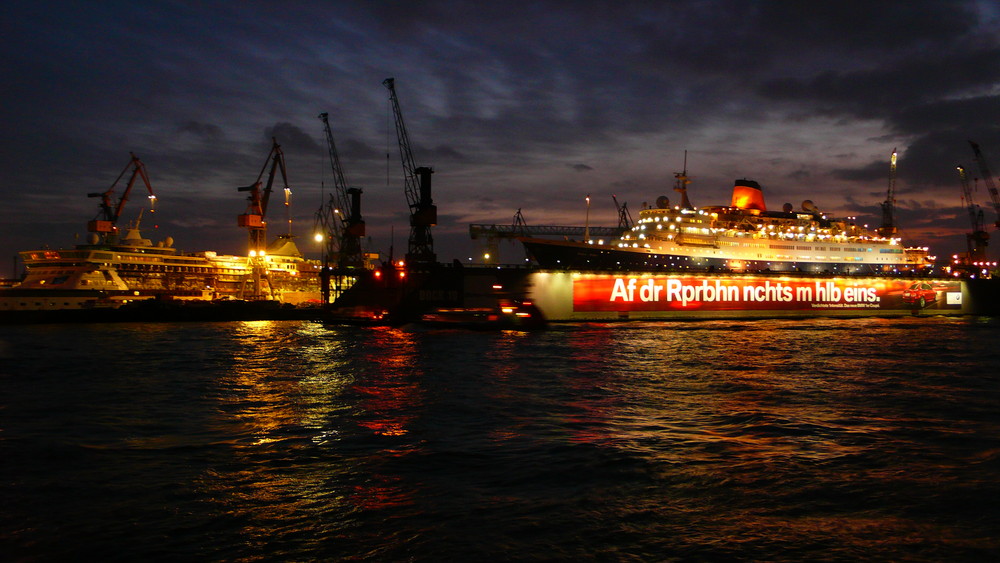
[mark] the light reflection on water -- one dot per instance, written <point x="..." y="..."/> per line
<point x="781" y="440"/>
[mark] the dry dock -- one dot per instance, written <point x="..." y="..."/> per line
<point x="582" y="296"/>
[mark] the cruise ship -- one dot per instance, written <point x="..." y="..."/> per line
<point x="108" y="272"/>
<point x="743" y="236"/>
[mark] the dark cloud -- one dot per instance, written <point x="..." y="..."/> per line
<point x="974" y="115"/>
<point x="291" y="138"/>
<point x="354" y="150"/>
<point x="807" y="97"/>
<point x="440" y="153"/>
<point x="862" y="25"/>
<point x="891" y="90"/>
<point x="202" y="131"/>
<point x="873" y="172"/>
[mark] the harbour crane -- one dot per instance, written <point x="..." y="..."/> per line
<point x="978" y="238"/>
<point x="107" y="225"/>
<point x="624" y="217"/>
<point x="888" y="227"/>
<point x="341" y="214"/>
<point x="984" y="170"/>
<point x="423" y="212"/>
<point x="254" y="218"/>
<point x="519" y="223"/>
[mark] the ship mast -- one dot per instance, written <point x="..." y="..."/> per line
<point x="888" y="227"/>
<point x="681" y="182"/>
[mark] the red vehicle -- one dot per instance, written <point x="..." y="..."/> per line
<point x="919" y="294"/>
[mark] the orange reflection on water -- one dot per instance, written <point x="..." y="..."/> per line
<point x="262" y="387"/>
<point x="284" y="408"/>
<point x="381" y="492"/>
<point x="504" y="360"/>
<point x="594" y="405"/>
<point x="265" y="423"/>
<point x="391" y="389"/>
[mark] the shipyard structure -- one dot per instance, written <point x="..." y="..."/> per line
<point x="117" y="267"/>
<point x="737" y="259"/>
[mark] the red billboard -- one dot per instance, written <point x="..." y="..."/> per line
<point x="601" y="292"/>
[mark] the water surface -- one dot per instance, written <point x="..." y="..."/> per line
<point x="821" y="439"/>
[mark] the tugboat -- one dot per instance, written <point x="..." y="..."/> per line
<point x="508" y="314"/>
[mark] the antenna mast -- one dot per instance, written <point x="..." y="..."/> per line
<point x="889" y="205"/>
<point x="680" y="185"/>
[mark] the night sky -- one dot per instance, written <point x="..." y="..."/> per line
<point x="516" y="106"/>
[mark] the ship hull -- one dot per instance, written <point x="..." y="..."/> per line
<point x="18" y="299"/>
<point x="570" y="255"/>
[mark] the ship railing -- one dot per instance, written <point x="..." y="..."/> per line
<point x="477" y="230"/>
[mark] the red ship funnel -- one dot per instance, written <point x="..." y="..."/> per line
<point x="748" y="195"/>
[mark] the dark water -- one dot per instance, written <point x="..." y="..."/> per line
<point x="795" y="440"/>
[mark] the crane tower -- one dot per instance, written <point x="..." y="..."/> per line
<point x="341" y="215"/>
<point x="984" y="170"/>
<point x="107" y="225"/>
<point x="423" y="212"/>
<point x="978" y="238"/>
<point x="254" y="218"/>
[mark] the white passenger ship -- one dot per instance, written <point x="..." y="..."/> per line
<point x="110" y="273"/>
<point x="741" y="237"/>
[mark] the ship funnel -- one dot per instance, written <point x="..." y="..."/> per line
<point x="809" y="206"/>
<point x="748" y="195"/>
